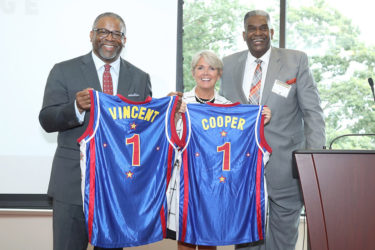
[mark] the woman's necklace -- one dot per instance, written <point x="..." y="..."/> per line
<point x="204" y="100"/>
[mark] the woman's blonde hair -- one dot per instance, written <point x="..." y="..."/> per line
<point x="210" y="57"/>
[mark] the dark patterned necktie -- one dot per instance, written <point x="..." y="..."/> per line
<point x="107" y="80"/>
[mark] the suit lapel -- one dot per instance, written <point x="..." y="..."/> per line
<point x="239" y="74"/>
<point x="89" y="72"/>
<point x="273" y="70"/>
<point x="124" y="79"/>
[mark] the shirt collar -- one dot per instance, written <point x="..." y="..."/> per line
<point x="265" y="58"/>
<point x="100" y="64"/>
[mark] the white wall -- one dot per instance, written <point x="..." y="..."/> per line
<point x="36" y="34"/>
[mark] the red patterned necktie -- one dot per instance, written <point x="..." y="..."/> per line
<point x="254" y="95"/>
<point x="107" y="80"/>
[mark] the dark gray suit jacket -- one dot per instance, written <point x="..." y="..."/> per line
<point x="297" y="121"/>
<point x="58" y="115"/>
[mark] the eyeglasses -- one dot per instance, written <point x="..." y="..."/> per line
<point x="104" y="33"/>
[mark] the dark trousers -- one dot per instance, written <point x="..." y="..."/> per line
<point x="69" y="227"/>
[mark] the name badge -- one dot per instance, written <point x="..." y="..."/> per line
<point x="281" y="88"/>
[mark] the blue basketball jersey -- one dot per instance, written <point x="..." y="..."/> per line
<point x="221" y="191"/>
<point x="126" y="156"/>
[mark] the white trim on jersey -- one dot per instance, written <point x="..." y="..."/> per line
<point x="97" y="119"/>
<point x="83" y="171"/>
<point x="166" y="125"/>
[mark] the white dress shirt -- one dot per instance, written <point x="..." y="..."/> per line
<point x="250" y="69"/>
<point x="99" y="65"/>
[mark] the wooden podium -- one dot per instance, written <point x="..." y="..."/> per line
<point x="338" y="187"/>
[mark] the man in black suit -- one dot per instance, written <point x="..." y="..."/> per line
<point x="66" y="106"/>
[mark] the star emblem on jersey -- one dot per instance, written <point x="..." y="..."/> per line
<point x="133" y="126"/>
<point x="157" y="148"/>
<point x="222" y="179"/>
<point x="223" y="133"/>
<point x="104" y="144"/>
<point x="129" y="174"/>
<point x="248" y="154"/>
<point x="197" y="154"/>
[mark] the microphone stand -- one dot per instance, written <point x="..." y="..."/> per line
<point x="371" y="83"/>
<point x="338" y="137"/>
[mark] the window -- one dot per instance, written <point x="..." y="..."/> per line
<point x="336" y="37"/>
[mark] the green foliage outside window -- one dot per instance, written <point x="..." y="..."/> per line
<point x="339" y="60"/>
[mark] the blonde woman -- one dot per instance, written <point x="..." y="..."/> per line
<point x="206" y="68"/>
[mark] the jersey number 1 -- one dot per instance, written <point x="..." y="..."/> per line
<point x="136" y="155"/>
<point x="226" y="155"/>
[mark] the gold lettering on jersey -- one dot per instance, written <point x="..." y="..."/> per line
<point x="113" y="113"/>
<point x="241" y="122"/>
<point x="234" y="122"/>
<point x="119" y="113"/>
<point x="155" y="114"/>
<point x="126" y="112"/>
<point x="220" y="121"/>
<point x="134" y="112"/>
<point x="141" y="113"/>
<point x="149" y="114"/>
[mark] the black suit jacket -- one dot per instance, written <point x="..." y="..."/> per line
<point x="58" y="115"/>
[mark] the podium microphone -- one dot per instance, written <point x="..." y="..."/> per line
<point x="371" y="82"/>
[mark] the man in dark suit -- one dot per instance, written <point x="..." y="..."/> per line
<point x="288" y="89"/>
<point x="65" y="109"/>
